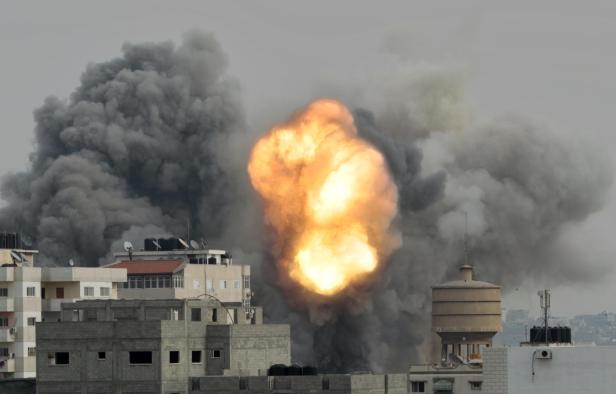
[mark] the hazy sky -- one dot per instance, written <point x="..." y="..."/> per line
<point x="548" y="60"/>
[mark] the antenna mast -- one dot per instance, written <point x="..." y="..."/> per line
<point x="544" y="301"/>
<point x="466" y="237"/>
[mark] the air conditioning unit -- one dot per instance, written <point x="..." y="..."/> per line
<point x="544" y="354"/>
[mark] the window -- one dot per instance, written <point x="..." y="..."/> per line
<point x="325" y="383"/>
<point x="31" y="351"/>
<point x="30" y="291"/>
<point x="174" y="357"/>
<point x="214" y="315"/>
<point x="88" y="291"/>
<point x="178" y="281"/>
<point x="148" y="282"/>
<point x="59" y="292"/>
<point x="216" y="353"/>
<point x="4" y="351"/>
<point x="246" y="280"/>
<point x="105" y="291"/>
<point x="418" y="387"/>
<point x="101" y="356"/>
<point x="195" y="314"/>
<point x="4" y="321"/>
<point x="246" y="303"/>
<point x="135" y="281"/>
<point x="140" y="357"/>
<point x="475" y="386"/>
<point x="223" y="284"/>
<point x="236" y="284"/>
<point x="31" y="321"/>
<point x="208" y="284"/>
<point x="196" y="357"/>
<point x="243" y="383"/>
<point x="58" y="358"/>
<point x="195" y="384"/>
<point x="4" y="292"/>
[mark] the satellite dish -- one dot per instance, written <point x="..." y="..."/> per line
<point x="194" y="244"/>
<point x="128" y="246"/>
<point x="183" y="243"/>
<point x="71" y="263"/>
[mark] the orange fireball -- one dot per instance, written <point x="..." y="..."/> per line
<point x="328" y="196"/>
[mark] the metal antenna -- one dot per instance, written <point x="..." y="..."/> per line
<point x="544" y="301"/>
<point x="466" y="237"/>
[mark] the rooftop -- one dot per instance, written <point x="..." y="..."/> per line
<point x="149" y="266"/>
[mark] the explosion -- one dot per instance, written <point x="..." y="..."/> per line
<point x="328" y="196"/>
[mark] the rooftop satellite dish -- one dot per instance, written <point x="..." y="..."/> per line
<point x="71" y="263"/>
<point x="194" y="244"/>
<point x="183" y="243"/>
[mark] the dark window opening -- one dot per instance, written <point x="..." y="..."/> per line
<point x="418" y="387"/>
<point x="174" y="357"/>
<point x="61" y="358"/>
<point x="216" y="354"/>
<point x="140" y="357"/>
<point x="195" y="314"/>
<point x="59" y="292"/>
<point x="325" y="384"/>
<point x="196" y="384"/>
<point x="102" y="355"/>
<point x="214" y="315"/>
<point x="196" y="356"/>
<point x="243" y="383"/>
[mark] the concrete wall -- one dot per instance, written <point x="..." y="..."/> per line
<point x="247" y="349"/>
<point x="319" y="384"/>
<point x="570" y="370"/>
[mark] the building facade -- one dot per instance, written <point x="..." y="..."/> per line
<point x="175" y="271"/>
<point x="29" y="295"/>
<point x="551" y="369"/>
<point x="151" y="346"/>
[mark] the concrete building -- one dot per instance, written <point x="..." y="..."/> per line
<point x="466" y="314"/>
<point x="30" y="294"/>
<point x="151" y="346"/>
<point x="176" y="270"/>
<point x="551" y="369"/>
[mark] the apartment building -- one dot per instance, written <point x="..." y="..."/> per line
<point x="151" y="346"/>
<point x="170" y="268"/>
<point x="29" y="295"/>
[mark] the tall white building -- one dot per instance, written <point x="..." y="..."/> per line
<point x="30" y="294"/>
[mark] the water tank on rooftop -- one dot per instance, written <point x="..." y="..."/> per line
<point x="466" y="314"/>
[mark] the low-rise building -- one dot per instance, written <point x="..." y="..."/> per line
<point x="152" y="346"/>
<point x="549" y="369"/>
<point x="175" y="271"/>
<point x="30" y="294"/>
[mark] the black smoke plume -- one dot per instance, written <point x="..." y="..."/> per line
<point x="142" y="142"/>
<point x="155" y="141"/>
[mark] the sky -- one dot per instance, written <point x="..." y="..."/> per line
<point x="552" y="61"/>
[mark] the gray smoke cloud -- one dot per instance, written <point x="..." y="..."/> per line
<point x="145" y="140"/>
<point x="156" y="139"/>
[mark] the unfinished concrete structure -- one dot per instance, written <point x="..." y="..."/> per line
<point x="30" y="294"/>
<point x="364" y="383"/>
<point x="151" y="346"/>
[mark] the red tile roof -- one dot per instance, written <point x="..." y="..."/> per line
<point x="148" y="266"/>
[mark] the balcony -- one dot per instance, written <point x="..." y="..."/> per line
<point x="7" y="304"/>
<point x="7" y="365"/>
<point x="55" y="304"/>
<point x="7" y="334"/>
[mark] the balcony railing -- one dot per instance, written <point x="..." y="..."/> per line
<point x="7" y="304"/>
<point x="7" y="334"/>
<point x="7" y="364"/>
